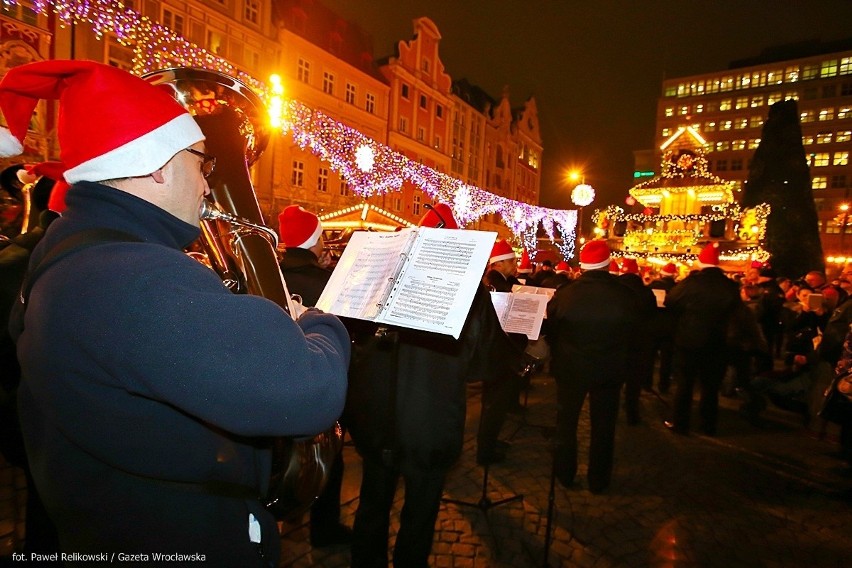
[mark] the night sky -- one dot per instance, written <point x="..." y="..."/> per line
<point x="595" y="68"/>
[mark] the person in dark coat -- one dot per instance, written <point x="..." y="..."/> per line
<point x="148" y="389"/>
<point x="702" y="305"/>
<point x="501" y="395"/>
<point x="664" y="328"/>
<point x="406" y="412"/>
<point x="591" y="326"/>
<point x="642" y="373"/>
<point x="301" y="233"/>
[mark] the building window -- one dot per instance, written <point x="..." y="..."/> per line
<point x="819" y="182"/>
<point x="727" y="83"/>
<point x="725" y="125"/>
<point x="829" y="91"/>
<point x="723" y="145"/>
<point x="252" y="11"/>
<point x="423" y="102"/>
<point x="773" y="98"/>
<point x="304" y="71"/>
<point x="350" y="93"/>
<point x="807" y="139"/>
<point x="736" y="165"/>
<point x="371" y="103"/>
<point x="439" y="111"/>
<point x="173" y="21"/>
<point x="791" y="96"/>
<point x="215" y="42"/>
<point x="742" y="102"/>
<point x="845" y="89"/>
<point x="725" y="104"/>
<point x="829" y="68"/>
<point x="826" y="114"/>
<point x="757" y="101"/>
<point x="721" y="165"/>
<point x="699" y="108"/>
<point x="775" y="77"/>
<point x="844" y="112"/>
<point x="415" y="209"/>
<point x="421" y="134"/>
<point x="710" y="126"/>
<point x="843" y="136"/>
<point x="344" y="188"/>
<point x="845" y="67"/>
<point x="404" y="91"/>
<point x="841" y="159"/>
<point x="820" y="160"/>
<point x="397" y="204"/>
<point x="669" y="111"/>
<point x="328" y="83"/>
<point x="403" y="124"/>
<point x="741" y="123"/>
<point x="322" y="180"/>
<point x="810" y="94"/>
<point x="753" y="143"/>
<point x="738" y="145"/>
<point x="118" y="55"/>
<point x="683" y="110"/>
<point x="824" y="137"/>
<point x="666" y="132"/>
<point x="810" y="71"/>
<point x="756" y="121"/>
<point x="806" y="116"/>
<point x="838" y="182"/>
<point x="297" y="177"/>
<point x="791" y="74"/>
<point x="424" y="65"/>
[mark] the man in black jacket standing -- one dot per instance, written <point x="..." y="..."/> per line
<point x="701" y="305"/>
<point x="590" y="325"/>
<point x="301" y="233"/>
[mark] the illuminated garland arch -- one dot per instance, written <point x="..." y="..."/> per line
<point x="157" y="47"/>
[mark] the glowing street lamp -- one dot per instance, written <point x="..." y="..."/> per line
<point x="581" y="196"/>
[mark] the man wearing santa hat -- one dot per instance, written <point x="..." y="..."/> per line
<point x="590" y="325"/>
<point x="502" y="267"/>
<point x="147" y="384"/>
<point x="701" y="305"/>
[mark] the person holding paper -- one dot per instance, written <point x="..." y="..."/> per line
<point x="301" y="233"/>
<point x="502" y="268"/>
<point x="406" y="414"/>
<point x="591" y="326"/>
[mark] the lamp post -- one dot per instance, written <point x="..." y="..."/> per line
<point x="844" y="208"/>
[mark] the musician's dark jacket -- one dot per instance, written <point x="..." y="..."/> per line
<point x="304" y="275"/>
<point x="429" y="372"/>
<point x="146" y="384"/>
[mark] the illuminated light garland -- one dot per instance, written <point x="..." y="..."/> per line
<point x="686" y="172"/>
<point x="156" y="47"/>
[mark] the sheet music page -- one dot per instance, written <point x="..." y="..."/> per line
<point x="523" y="289"/>
<point x="362" y="276"/>
<point x="520" y="313"/>
<point x="436" y="287"/>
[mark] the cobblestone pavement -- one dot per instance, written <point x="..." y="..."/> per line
<point x="768" y="496"/>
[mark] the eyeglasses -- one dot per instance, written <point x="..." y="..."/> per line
<point x="208" y="162"/>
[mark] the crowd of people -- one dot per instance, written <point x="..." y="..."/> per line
<point x="146" y="394"/>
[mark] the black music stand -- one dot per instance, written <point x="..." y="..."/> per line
<point x="484" y="503"/>
<point x="532" y="366"/>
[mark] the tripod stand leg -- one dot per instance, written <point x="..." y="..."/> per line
<point x="484" y="503"/>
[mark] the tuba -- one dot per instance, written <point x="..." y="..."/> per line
<point x="242" y="250"/>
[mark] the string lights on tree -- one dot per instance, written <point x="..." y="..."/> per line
<point x="370" y="168"/>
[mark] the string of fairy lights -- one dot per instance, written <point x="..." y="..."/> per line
<point x="369" y="167"/>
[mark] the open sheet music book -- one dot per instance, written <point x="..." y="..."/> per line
<point x="520" y="312"/>
<point x="421" y="278"/>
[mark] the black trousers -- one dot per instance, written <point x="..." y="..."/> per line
<point x="423" y="492"/>
<point x="603" y="412"/>
<point x="325" y="512"/>
<point x="706" y="367"/>
<point x="497" y="398"/>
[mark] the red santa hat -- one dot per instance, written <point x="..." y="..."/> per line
<point x="594" y="255"/>
<point x="629" y="266"/>
<point x="298" y="228"/>
<point x="669" y="270"/>
<point x="439" y="216"/>
<point x="614" y="268"/>
<point x="562" y="266"/>
<point x="54" y="171"/>
<point x="111" y="124"/>
<point x="709" y="256"/>
<point x="525" y="267"/>
<point x="501" y="250"/>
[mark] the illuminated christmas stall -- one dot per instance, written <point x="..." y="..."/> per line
<point x="684" y="209"/>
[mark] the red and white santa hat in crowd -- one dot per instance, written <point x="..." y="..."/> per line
<point x="501" y="250"/>
<point x="614" y="268"/>
<point x="439" y="216"/>
<point x="594" y="255"/>
<point x="669" y="270"/>
<point x="629" y="266"/>
<point x="111" y="124"/>
<point x="298" y="227"/>
<point x="562" y="266"/>
<point x="525" y="267"/>
<point x="709" y="256"/>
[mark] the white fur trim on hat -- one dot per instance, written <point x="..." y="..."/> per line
<point x="312" y="240"/>
<point x="141" y="156"/>
<point x="595" y="265"/>
<point x="9" y="145"/>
